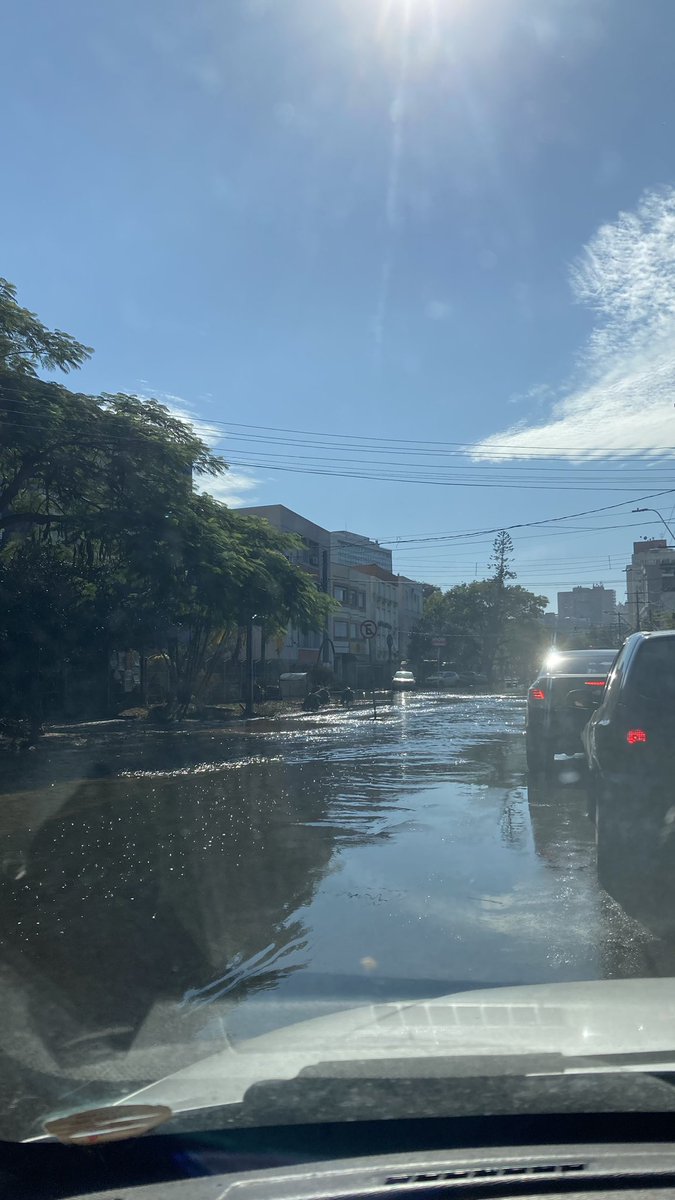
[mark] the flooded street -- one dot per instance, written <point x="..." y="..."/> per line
<point x="324" y="861"/>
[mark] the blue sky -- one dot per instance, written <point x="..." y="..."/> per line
<point x="438" y="221"/>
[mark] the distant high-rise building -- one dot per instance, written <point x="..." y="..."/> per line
<point x="650" y="581"/>
<point x="588" y="606"/>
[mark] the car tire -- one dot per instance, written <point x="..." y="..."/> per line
<point x="622" y="853"/>
<point x="608" y="843"/>
<point x="539" y="753"/>
<point x="592" y="793"/>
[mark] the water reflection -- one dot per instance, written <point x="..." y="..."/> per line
<point x="334" y="855"/>
<point x="138" y="890"/>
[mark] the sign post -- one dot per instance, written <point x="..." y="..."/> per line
<point x="369" y="631"/>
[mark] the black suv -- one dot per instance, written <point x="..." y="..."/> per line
<point x="554" y="726"/>
<point x="630" y="749"/>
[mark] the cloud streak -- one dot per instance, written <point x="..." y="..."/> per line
<point x="621" y="402"/>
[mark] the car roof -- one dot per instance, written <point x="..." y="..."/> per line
<point x="592" y="650"/>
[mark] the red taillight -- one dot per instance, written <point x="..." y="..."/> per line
<point x="537" y="694"/>
<point x="595" y="683"/>
<point x="636" y="735"/>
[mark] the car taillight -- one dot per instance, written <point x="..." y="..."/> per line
<point x="595" y="683"/>
<point x="537" y="694"/>
<point x="634" y="736"/>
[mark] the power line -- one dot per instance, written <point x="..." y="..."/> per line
<point x="365" y="443"/>
<point x="262" y="460"/>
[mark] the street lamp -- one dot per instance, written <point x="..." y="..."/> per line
<point x="659" y="515"/>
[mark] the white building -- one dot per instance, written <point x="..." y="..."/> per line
<point x="410" y="608"/>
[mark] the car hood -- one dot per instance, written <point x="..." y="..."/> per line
<point x="570" y="1027"/>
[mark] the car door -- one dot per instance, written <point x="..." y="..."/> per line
<point x="598" y="733"/>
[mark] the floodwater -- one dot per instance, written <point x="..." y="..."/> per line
<point x="322" y="861"/>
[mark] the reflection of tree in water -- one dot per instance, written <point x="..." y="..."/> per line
<point x="145" y="889"/>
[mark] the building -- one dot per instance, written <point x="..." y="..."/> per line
<point x="650" y="582"/>
<point x="299" y="649"/>
<point x="410" y="608"/>
<point x="353" y="549"/>
<point x="350" y="648"/>
<point x="382" y="608"/>
<point x="588" y="607"/>
<point x="356" y="571"/>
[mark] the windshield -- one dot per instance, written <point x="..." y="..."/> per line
<point x="336" y="407"/>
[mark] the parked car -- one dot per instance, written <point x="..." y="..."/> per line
<point x="403" y="681"/>
<point x="472" y="679"/>
<point x="629" y="742"/>
<point x="442" y="679"/>
<point x="552" y="725"/>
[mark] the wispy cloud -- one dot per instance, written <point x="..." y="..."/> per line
<point x="621" y="400"/>
<point x="234" y="487"/>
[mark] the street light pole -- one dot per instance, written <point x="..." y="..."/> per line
<point x="660" y="516"/>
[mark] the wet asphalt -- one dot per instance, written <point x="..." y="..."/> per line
<point x="305" y="865"/>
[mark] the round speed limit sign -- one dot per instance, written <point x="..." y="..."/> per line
<point x="368" y="629"/>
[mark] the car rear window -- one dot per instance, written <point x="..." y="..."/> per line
<point x="653" y="672"/>
<point x="586" y="662"/>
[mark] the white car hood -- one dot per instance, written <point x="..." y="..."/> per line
<point x="593" y="1021"/>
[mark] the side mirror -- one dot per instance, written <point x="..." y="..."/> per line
<point x="585" y="698"/>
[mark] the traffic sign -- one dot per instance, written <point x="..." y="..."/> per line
<point x="368" y="629"/>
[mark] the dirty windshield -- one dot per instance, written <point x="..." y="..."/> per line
<point x="337" y="365"/>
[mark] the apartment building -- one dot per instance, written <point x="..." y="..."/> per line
<point x="650" y="582"/>
<point x="356" y="571"/>
<point x="299" y="649"/>
<point x="587" y="607"/>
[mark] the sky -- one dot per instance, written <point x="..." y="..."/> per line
<point x="409" y="264"/>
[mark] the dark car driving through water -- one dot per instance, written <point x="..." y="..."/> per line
<point x="630" y="751"/>
<point x="553" y="725"/>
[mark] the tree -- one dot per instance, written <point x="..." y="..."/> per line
<point x="488" y="625"/>
<point x="500" y="562"/>
<point x="103" y="536"/>
<point x="26" y="344"/>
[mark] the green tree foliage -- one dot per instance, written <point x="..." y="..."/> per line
<point x="104" y="539"/>
<point x="491" y="625"/>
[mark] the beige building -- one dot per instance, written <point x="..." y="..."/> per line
<point x="298" y="650"/>
<point x="650" y="583"/>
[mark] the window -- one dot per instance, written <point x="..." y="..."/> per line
<point x="341" y="629"/>
<point x="653" y="670"/>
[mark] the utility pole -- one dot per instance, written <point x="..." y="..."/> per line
<point x="324" y="588"/>
<point x="248" y="710"/>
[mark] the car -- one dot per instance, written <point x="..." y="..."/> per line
<point x="403" y="681"/>
<point x="443" y="679"/>
<point x="552" y="725"/>
<point x="629" y="743"/>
